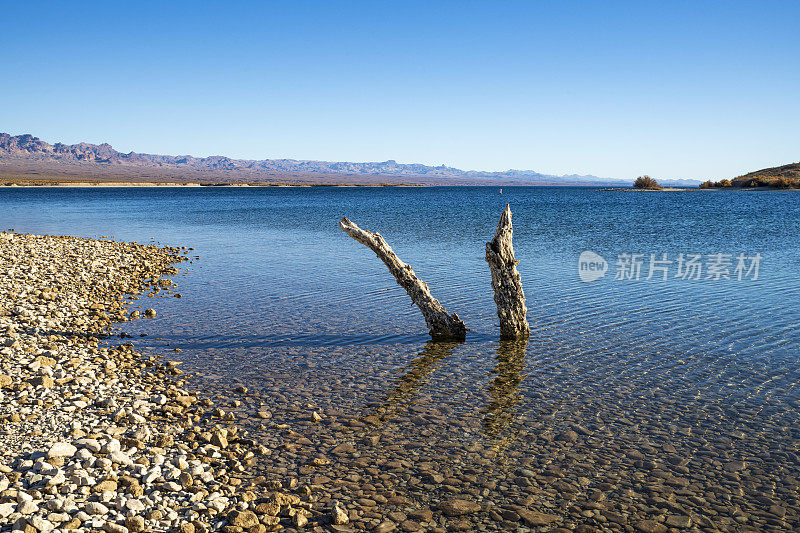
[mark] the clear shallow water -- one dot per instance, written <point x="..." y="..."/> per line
<point x="659" y="380"/>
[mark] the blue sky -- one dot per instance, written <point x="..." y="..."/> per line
<point x="617" y="89"/>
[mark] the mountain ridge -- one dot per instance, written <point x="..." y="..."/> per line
<point x="28" y="157"/>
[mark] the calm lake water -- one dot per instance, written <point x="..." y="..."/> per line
<point x="634" y="399"/>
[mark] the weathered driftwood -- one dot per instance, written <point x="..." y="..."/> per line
<point x="506" y="281"/>
<point x="440" y="324"/>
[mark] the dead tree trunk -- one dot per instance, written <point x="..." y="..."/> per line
<point x="506" y="281"/>
<point x="440" y="324"/>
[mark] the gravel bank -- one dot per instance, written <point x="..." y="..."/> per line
<point x="95" y="437"/>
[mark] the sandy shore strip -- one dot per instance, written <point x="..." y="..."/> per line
<point x="96" y="437"/>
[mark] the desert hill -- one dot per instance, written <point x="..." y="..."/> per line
<point x="784" y="176"/>
<point x="24" y="158"/>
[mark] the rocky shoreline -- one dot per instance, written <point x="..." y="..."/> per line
<point x="96" y="437"/>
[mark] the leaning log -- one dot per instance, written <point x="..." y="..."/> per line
<point x="440" y="324"/>
<point x="506" y="281"/>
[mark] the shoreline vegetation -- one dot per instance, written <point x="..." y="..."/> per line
<point x="746" y="183"/>
<point x="647" y="183"/>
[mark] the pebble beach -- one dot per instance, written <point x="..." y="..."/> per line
<point x="95" y="437"/>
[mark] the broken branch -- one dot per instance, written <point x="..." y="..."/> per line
<point x="440" y="324"/>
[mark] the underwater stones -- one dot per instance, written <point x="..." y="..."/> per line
<point x="458" y="507"/>
<point x="338" y="515"/>
<point x="651" y="526"/>
<point x="535" y="519"/>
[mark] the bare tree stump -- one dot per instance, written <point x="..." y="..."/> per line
<point x="506" y="281"/>
<point x="440" y="324"/>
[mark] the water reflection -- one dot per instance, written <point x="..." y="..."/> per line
<point x="407" y="386"/>
<point x="504" y="392"/>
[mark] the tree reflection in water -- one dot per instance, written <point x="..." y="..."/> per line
<point x="407" y="386"/>
<point x="504" y="393"/>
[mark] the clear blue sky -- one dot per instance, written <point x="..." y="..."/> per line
<point x="616" y="89"/>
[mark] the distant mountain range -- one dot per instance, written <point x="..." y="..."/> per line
<point x="25" y="157"/>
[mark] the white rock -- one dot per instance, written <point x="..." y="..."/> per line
<point x="134" y="505"/>
<point x="171" y="486"/>
<point x="90" y="444"/>
<point x="25" y="508"/>
<point x="142" y="434"/>
<point x="217" y="505"/>
<point x="95" y="508"/>
<point x="111" y="446"/>
<point x="61" y="449"/>
<point x="120" y="458"/>
<point x="111" y="527"/>
<point x="56" y="504"/>
<point x="57" y="479"/>
<point x="58" y="518"/>
<point x="84" y="454"/>
<point x="41" y="524"/>
<point x="6" y="509"/>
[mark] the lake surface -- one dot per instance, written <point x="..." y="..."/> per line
<point x="633" y="400"/>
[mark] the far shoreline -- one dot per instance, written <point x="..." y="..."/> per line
<point x="682" y="189"/>
<point x="89" y="184"/>
<point x="110" y="184"/>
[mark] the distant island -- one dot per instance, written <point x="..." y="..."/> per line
<point x="647" y="183"/>
<point x="25" y="159"/>
<point x="780" y="178"/>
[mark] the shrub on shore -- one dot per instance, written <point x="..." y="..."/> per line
<point x="780" y="182"/>
<point x="646" y="182"/>
<point x="708" y="184"/>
